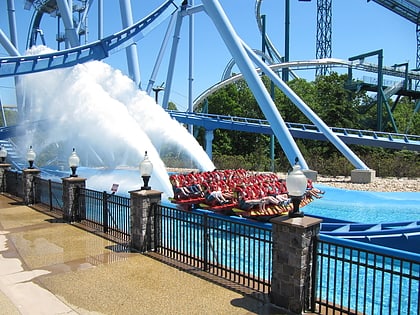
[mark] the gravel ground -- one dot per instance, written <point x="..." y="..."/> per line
<point x="386" y="184"/>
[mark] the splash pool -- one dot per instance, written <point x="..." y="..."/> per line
<point x="337" y="204"/>
<point x="365" y="206"/>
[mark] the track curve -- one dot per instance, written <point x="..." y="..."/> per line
<point x="309" y="64"/>
<point x="98" y="50"/>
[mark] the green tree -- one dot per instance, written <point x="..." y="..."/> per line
<point x="407" y="120"/>
<point x="337" y="106"/>
<point x="236" y="100"/>
<point x="172" y="106"/>
<point x="288" y="109"/>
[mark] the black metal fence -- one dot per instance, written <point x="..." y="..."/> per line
<point x="49" y="193"/>
<point x="14" y="183"/>
<point x="358" y="278"/>
<point x="108" y="213"/>
<point x="232" y="248"/>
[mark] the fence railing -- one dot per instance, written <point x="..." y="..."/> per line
<point x="232" y="248"/>
<point x="14" y="183"/>
<point x="358" y="278"/>
<point x="107" y="212"/>
<point x="49" y="193"/>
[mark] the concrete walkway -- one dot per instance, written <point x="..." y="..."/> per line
<point x="51" y="267"/>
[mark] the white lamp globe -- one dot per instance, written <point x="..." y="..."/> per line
<point x="296" y="182"/>
<point x="3" y="154"/>
<point x="30" y="157"/>
<point x="146" y="167"/>
<point x="74" y="159"/>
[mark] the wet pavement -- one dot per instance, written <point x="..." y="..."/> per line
<point x="51" y="267"/>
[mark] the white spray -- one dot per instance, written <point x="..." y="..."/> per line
<point x="97" y="107"/>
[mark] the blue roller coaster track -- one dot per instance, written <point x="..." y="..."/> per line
<point x="98" y="50"/>
<point x="302" y="131"/>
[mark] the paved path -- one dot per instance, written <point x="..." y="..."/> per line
<point x="51" y="267"/>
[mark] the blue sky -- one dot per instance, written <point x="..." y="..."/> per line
<point x="358" y="27"/>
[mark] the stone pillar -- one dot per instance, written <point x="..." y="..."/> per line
<point x="311" y="174"/>
<point x="145" y="228"/>
<point x="363" y="176"/>
<point x="3" y="168"/>
<point x="293" y="241"/>
<point x="29" y="190"/>
<point x="73" y="209"/>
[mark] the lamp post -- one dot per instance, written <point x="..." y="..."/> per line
<point x="146" y="169"/>
<point x="3" y="154"/>
<point x="30" y="157"/>
<point x="296" y="183"/>
<point x="73" y="163"/>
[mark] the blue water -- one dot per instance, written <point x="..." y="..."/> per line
<point x="365" y="206"/>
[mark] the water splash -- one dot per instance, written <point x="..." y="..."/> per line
<point x="109" y="121"/>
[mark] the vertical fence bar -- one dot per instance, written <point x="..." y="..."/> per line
<point x="105" y="211"/>
<point x="157" y="217"/>
<point x="50" y="195"/>
<point x="205" y="244"/>
<point x="314" y="274"/>
<point x="340" y="279"/>
<point x="400" y="285"/>
<point x="350" y="278"/>
<point x="409" y="288"/>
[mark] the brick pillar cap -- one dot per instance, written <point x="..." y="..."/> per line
<point x="32" y="170"/>
<point x="74" y="179"/>
<point x="145" y="193"/>
<point x="303" y="222"/>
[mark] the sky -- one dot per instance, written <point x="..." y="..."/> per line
<point x="358" y="27"/>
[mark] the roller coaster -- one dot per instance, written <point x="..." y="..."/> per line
<point x="250" y="65"/>
<point x="244" y="57"/>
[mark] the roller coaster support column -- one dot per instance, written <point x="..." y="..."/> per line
<point x="158" y="62"/>
<point x="233" y="43"/>
<point x="12" y="23"/>
<point x="379" y="92"/>
<point x="191" y="66"/>
<point x="263" y="46"/>
<point x="12" y="48"/>
<point x="285" y="71"/>
<point x="209" y="143"/>
<point x="172" y="58"/>
<point x="100" y="19"/>
<point x="66" y="15"/>
<point x="308" y="112"/>
<point x="131" y="51"/>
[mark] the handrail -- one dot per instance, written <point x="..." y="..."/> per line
<point x="298" y="130"/>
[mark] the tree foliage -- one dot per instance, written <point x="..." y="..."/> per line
<point x="329" y="99"/>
